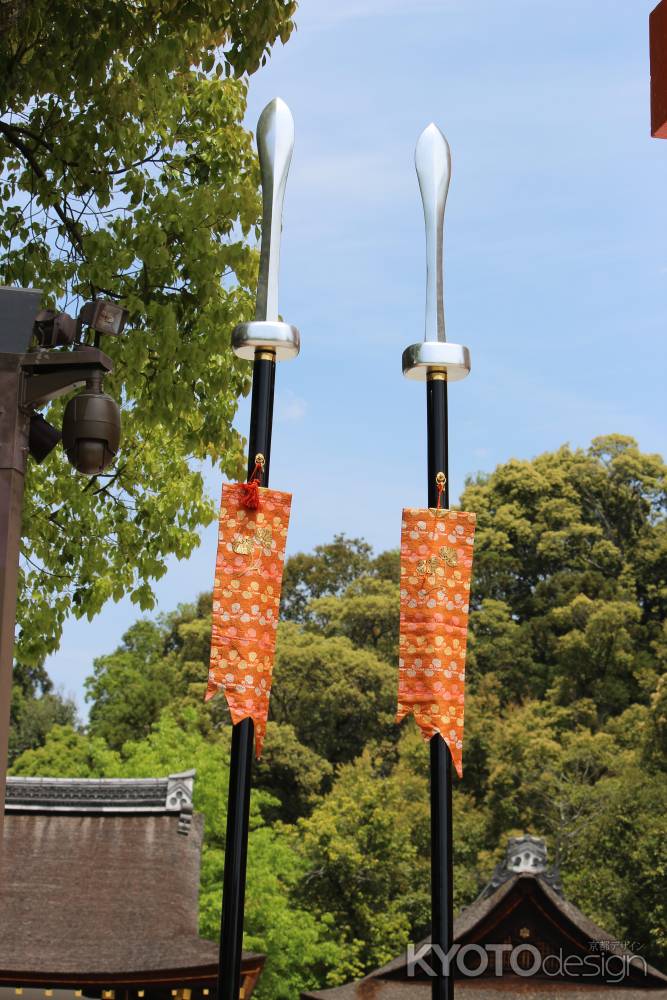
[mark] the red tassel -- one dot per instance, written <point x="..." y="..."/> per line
<point x="251" y="495"/>
<point x="251" y="488"/>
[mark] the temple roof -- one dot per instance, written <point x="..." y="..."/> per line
<point x="138" y="796"/>
<point x="100" y="882"/>
<point x="522" y="905"/>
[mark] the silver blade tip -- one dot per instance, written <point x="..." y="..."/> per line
<point x="276" y="111"/>
<point x="432" y="141"/>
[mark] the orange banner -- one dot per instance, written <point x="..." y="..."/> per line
<point x="436" y="563"/>
<point x="246" y="602"/>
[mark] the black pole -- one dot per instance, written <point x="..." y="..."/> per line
<point x="442" y="905"/>
<point x="243" y="735"/>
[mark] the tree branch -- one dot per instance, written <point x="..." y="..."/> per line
<point x="10" y="132"/>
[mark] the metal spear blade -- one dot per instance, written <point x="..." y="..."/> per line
<point x="434" y="357"/>
<point x="433" y="163"/>
<point x="275" y="142"/>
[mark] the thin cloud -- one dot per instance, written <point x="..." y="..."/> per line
<point x="291" y="408"/>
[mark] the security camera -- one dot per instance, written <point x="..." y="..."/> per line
<point x="91" y="429"/>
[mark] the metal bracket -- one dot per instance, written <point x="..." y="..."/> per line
<point x="49" y="374"/>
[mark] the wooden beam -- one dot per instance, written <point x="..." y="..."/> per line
<point x="658" y="46"/>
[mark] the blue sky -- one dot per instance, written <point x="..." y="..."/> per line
<point x="555" y="257"/>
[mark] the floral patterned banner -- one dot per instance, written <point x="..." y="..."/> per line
<point x="436" y="563"/>
<point x="246" y="602"/>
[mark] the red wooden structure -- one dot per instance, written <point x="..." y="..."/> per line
<point x="658" y="37"/>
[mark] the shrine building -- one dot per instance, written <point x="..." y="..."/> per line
<point x="520" y="938"/>
<point x="99" y="892"/>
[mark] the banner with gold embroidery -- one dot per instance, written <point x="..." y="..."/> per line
<point x="246" y="601"/>
<point x="436" y="564"/>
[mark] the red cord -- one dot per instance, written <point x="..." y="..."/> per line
<point x="441" y="490"/>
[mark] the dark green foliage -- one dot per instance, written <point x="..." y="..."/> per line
<point x="323" y="573"/>
<point x="35" y="709"/>
<point x="293" y="774"/>
<point x="366" y="613"/>
<point x="336" y="697"/>
<point x="129" y="688"/>
<point x="569" y="562"/>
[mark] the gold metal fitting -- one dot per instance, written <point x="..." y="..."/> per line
<point x="262" y="354"/>
<point x="437" y="375"/>
<point x="440" y="478"/>
<point x="260" y="460"/>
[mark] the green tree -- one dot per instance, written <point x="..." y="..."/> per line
<point x="68" y="753"/>
<point x="293" y="774"/>
<point x="303" y="948"/>
<point x="35" y="709"/>
<point x="569" y="567"/>
<point x="130" y="687"/>
<point x="329" y="570"/>
<point x="324" y="572"/>
<point x="597" y="652"/>
<point x="367" y="612"/>
<point x="126" y="171"/>
<point x="601" y="807"/>
<point x="619" y="869"/>
<point x="368" y="845"/>
<point x="188" y="644"/>
<point x="336" y="696"/>
<point x="501" y="647"/>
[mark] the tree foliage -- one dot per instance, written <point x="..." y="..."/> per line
<point x="130" y="687"/>
<point x="328" y="570"/>
<point x="126" y="172"/>
<point x="570" y="563"/>
<point x="35" y="709"/>
<point x="336" y="696"/>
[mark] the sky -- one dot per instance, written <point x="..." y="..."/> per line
<point x="555" y="258"/>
